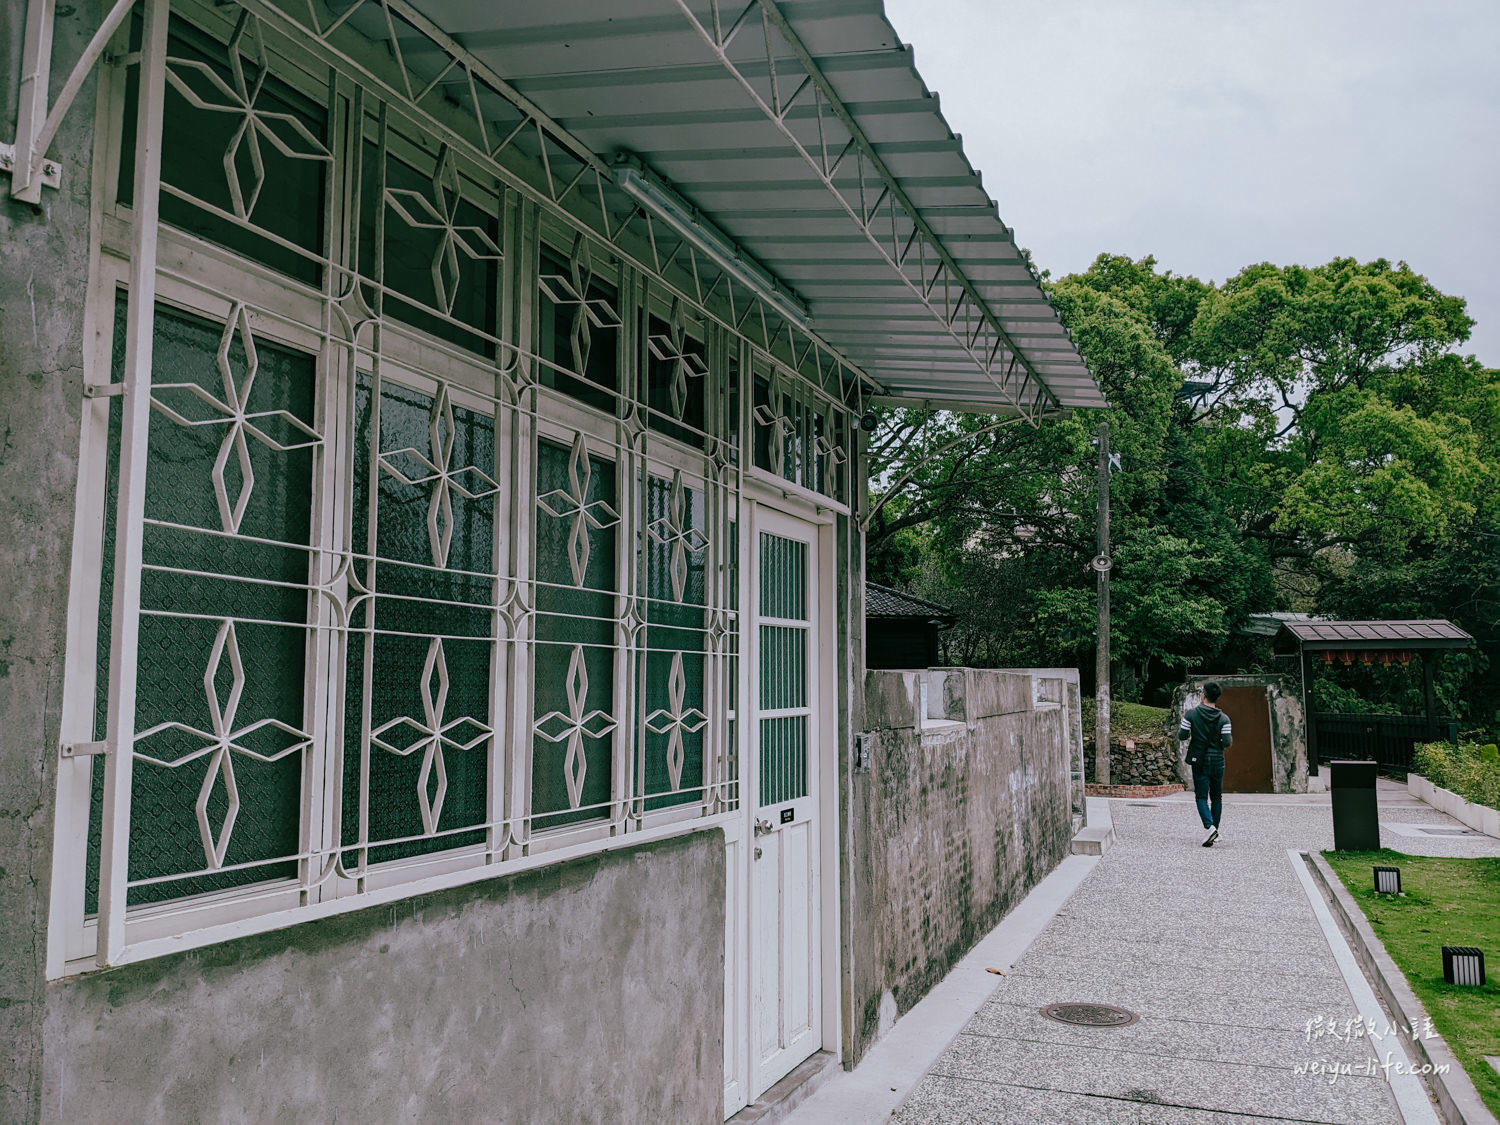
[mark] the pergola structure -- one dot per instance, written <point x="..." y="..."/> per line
<point x="1368" y="642"/>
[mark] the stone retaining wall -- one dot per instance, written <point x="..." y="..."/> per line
<point x="1137" y="761"/>
<point x="966" y="805"/>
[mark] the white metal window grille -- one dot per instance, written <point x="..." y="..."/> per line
<point x="440" y="560"/>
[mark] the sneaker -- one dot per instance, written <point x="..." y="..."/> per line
<point x="1213" y="834"/>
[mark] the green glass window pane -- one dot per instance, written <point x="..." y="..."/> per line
<point x="187" y="595"/>
<point x="425" y="634"/>
<point x="439" y="260"/>
<point x="577" y="332"/>
<point x="574" y="656"/>
<point x="673" y="729"/>
<point x="675" y="377"/>
<point x="676" y="546"/>
<point x="274" y="180"/>
<point x="573" y="748"/>
<point x="576" y="527"/>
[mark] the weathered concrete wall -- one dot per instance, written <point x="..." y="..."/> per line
<point x="1288" y="726"/>
<point x="44" y="255"/>
<point x="966" y="807"/>
<point x="588" y="991"/>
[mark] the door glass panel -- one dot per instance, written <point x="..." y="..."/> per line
<point x="783" y="670"/>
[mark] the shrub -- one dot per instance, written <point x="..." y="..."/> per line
<point x="1468" y="769"/>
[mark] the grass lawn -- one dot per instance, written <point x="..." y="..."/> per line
<point x="1447" y="902"/>
<point x="1128" y="720"/>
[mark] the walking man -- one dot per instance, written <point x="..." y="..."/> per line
<point x="1207" y="732"/>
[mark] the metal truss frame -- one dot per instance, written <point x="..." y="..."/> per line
<point x="458" y="95"/>
<point x="875" y="200"/>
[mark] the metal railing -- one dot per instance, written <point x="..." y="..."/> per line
<point x="1390" y="740"/>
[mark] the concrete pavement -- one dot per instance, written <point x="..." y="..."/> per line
<point x="1222" y="954"/>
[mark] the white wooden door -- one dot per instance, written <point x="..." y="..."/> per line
<point x="785" y="931"/>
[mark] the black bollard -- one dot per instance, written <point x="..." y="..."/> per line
<point x="1356" y="821"/>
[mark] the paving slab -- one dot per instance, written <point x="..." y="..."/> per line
<point x="1220" y="952"/>
<point x="1185" y="1039"/>
<point x="956" y="1101"/>
<point x="1222" y="1087"/>
<point x="1210" y="953"/>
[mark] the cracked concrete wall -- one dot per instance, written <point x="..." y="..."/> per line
<point x="967" y="805"/>
<point x="592" y="990"/>
<point x="44" y="261"/>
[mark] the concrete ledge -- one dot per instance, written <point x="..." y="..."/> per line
<point x="1481" y="818"/>
<point x="1100" y="833"/>
<point x="1457" y="1099"/>
<point x="1093" y="841"/>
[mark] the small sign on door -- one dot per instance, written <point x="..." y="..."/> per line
<point x="786" y="815"/>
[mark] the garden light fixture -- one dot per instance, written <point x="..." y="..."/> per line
<point x="1387" y="880"/>
<point x="1463" y="964"/>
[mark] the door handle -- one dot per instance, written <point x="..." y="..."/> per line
<point x="763" y="827"/>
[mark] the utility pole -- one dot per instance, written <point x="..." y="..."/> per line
<point x="1101" y="565"/>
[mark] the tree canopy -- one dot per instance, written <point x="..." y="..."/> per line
<point x="1295" y="438"/>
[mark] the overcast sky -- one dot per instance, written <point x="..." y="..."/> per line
<point x="1217" y="133"/>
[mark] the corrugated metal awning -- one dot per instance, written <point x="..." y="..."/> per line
<point x="1339" y="635"/>
<point x="803" y="131"/>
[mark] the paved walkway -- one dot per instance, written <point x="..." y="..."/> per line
<point x="1221" y="953"/>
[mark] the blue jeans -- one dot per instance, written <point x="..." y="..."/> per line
<point x="1208" y="784"/>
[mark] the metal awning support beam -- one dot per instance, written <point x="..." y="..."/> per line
<point x="36" y="122"/>
<point x="881" y="209"/>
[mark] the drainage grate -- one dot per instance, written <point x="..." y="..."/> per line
<point x="1447" y="831"/>
<point x="1089" y="1015"/>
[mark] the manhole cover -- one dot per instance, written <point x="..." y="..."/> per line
<point x="1089" y="1015"/>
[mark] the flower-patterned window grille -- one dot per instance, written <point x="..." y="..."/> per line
<point x="797" y="436"/>
<point x="675" y="377"/>
<point x="670" y="767"/>
<point x="578" y="324"/>
<point x="420" y="655"/>
<point x="429" y="240"/>
<point x="221" y="730"/>
<point x="245" y="155"/>
<point x="576" y="635"/>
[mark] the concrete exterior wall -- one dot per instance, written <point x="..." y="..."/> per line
<point x="967" y="805"/>
<point x="1288" y="726"/>
<point x="591" y="990"/>
<point x="44" y="267"/>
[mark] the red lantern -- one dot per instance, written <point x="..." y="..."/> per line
<point x="1366" y="659"/>
<point x="1327" y="657"/>
<point x="1405" y="658"/>
<point x="1385" y="658"/>
<point x="1347" y="658"/>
